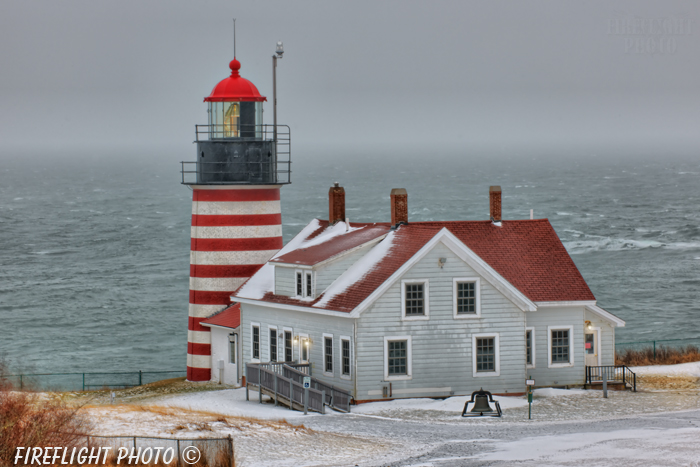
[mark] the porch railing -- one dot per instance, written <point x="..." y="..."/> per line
<point x="612" y="373"/>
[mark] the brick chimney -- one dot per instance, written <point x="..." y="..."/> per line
<point x="336" y="204"/>
<point x="399" y="206"/>
<point x="495" y="203"/>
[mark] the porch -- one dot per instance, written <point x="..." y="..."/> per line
<point x="615" y="376"/>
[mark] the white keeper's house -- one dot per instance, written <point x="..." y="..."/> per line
<point x="417" y="309"/>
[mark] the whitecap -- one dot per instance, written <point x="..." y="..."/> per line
<point x="17" y="199"/>
<point x="564" y="214"/>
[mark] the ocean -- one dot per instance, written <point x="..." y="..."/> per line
<point x="95" y="246"/>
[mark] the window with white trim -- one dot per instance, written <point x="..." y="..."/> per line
<point x="345" y="357"/>
<point x="486" y="355"/>
<point x="415" y="299"/>
<point x="397" y="358"/>
<point x="561" y="346"/>
<point x="273" y="344"/>
<point x="300" y="283"/>
<point x="288" y="354"/>
<point x="530" y="347"/>
<point x="232" y="341"/>
<point x="255" y="341"/>
<point x="309" y="285"/>
<point x="304" y="283"/>
<point x="328" y="354"/>
<point x="466" y="297"/>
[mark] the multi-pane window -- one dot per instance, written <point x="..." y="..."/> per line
<point x="466" y="297"/>
<point x="288" y="346"/>
<point x="309" y="283"/>
<point x="560" y="346"/>
<point x="485" y="354"/>
<point x="300" y="284"/>
<point x="328" y="361"/>
<point x="414" y="299"/>
<point x="232" y="348"/>
<point x="273" y="345"/>
<point x="528" y="346"/>
<point x="398" y="358"/>
<point x="345" y="344"/>
<point x="256" y="342"/>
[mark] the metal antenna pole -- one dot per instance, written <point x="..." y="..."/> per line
<point x="274" y="101"/>
<point x="234" y="37"/>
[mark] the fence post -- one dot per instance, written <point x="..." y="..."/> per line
<point x="230" y="449"/>
<point x="259" y="384"/>
<point x="306" y="401"/>
<point x="635" y="382"/>
<point x="291" y="394"/>
<point x="140" y="378"/>
<point x="83" y="381"/>
<point x="21" y="383"/>
<point x="654" y="350"/>
<point x="275" y="389"/>
<point x="323" y="402"/>
<point x="246" y="383"/>
<point x="178" y="453"/>
<point x="605" y="384"/>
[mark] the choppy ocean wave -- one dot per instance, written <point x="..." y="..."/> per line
<point x="95" y="252"/>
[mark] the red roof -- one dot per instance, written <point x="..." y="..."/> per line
<point x="228" y="318"/>
<point x="235" y="88"/>
<point x="526" y="253"/>
<point x="314" y="254"/>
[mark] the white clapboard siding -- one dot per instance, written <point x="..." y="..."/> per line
<point x="557" y="316"/>
<point x="442" y="345"/>
<point x="315" y="325"/>
<point x="285" y="281"/>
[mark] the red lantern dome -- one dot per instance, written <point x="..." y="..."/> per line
<point x="235" y="88"/>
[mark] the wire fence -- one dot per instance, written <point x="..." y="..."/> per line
<point x="142" y="450"/>
<point x="657" y="343"/>
<point x="88" y="381"/>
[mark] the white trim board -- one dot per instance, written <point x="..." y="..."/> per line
<point x="606" y="316"/>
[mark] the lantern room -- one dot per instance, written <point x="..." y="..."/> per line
<point x="235" y="146"/>
<point x="235" y="107"/>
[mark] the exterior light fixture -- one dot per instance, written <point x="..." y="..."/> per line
<point x="232" y="338"/>
<point x="296" y="339"/>
<point x="588" y="325"/>
<point x="280" y="49"/>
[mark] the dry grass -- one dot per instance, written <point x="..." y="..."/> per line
<point x="28" y="419"/>
<point x="664" y="356"/>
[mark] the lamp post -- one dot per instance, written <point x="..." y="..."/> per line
<point x="278" y="54"/>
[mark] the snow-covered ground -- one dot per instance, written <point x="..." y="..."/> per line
<point x="655" y="426"/>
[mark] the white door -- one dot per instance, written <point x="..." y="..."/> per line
<point x="591" y="349"/>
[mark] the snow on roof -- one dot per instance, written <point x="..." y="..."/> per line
<point x="526" y="253"/>
<point x="263" y="281"/>
<point x="332" y="242"/>
<point x="357" y="271"/>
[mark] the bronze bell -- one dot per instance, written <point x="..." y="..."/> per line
<point x="481" y="407"/>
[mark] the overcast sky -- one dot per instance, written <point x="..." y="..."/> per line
<point x="505" y="75"/>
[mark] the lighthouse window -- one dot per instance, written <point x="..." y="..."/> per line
<point x="231" y="120"/>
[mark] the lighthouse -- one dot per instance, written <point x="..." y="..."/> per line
<point x="240" y="166"/>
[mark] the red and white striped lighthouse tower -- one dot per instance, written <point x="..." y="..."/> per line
<point x="236" y="216"/>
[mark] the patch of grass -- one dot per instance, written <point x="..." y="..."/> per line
<point x="664" y="356"/>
